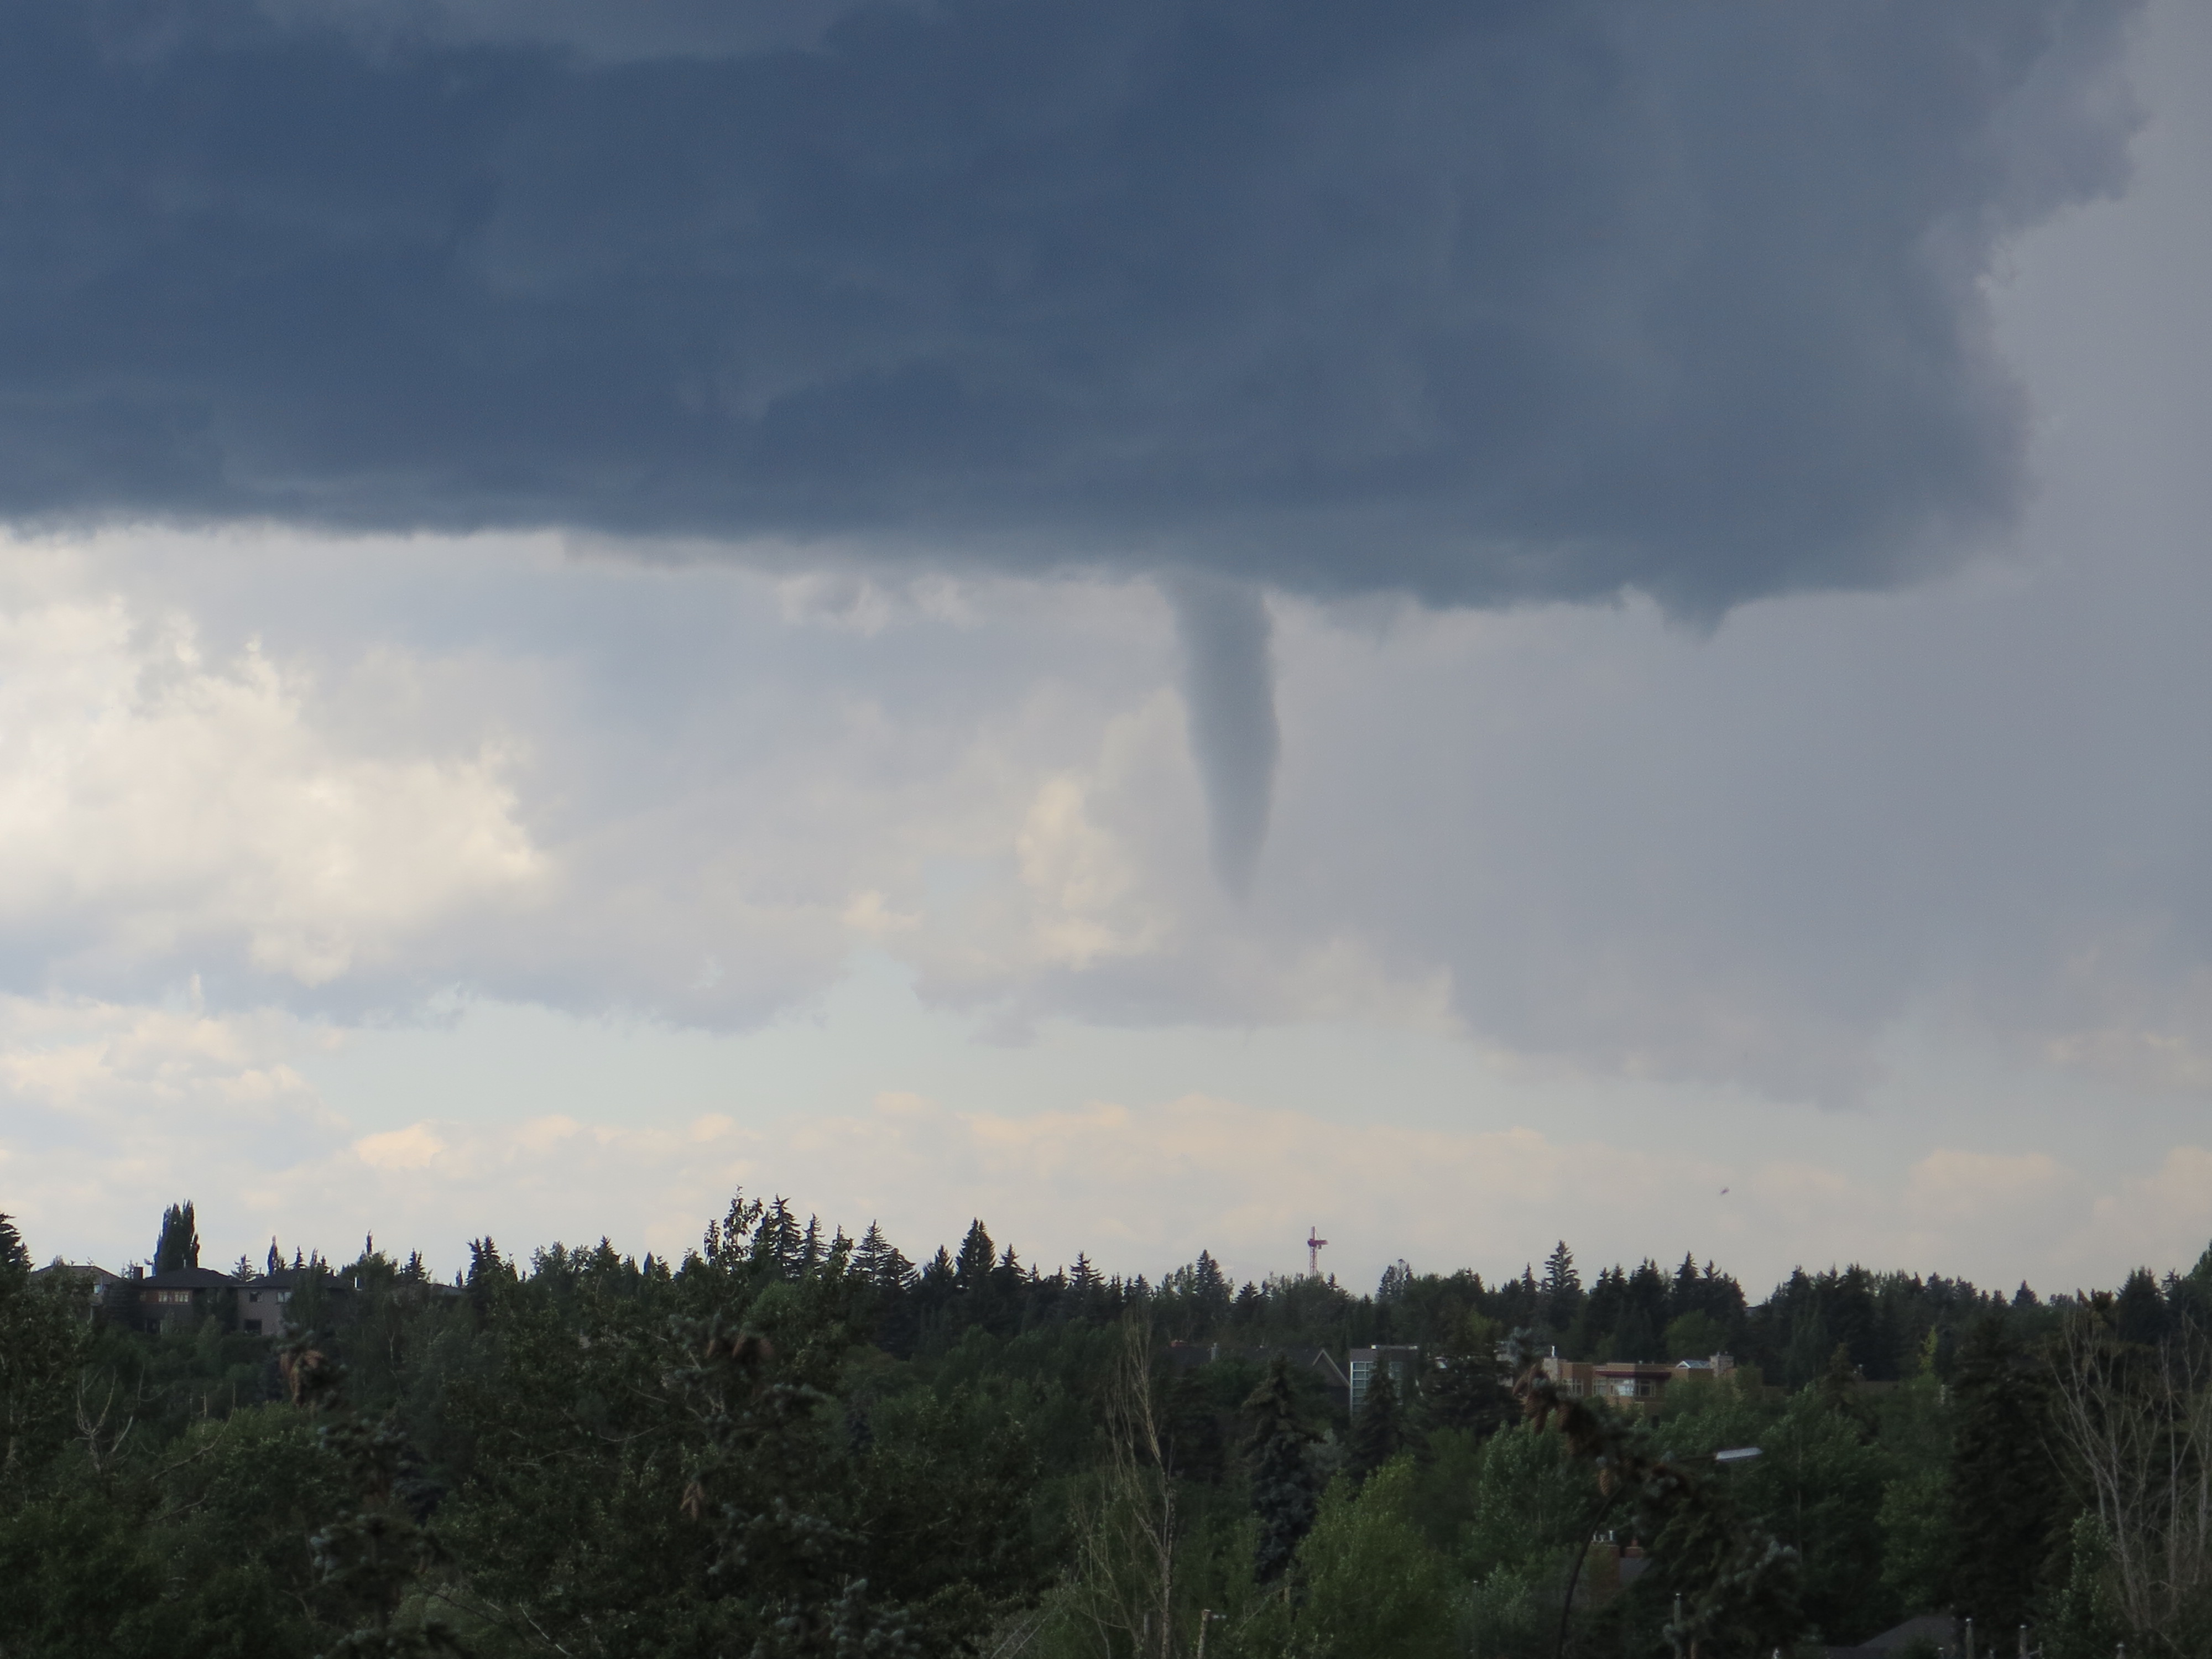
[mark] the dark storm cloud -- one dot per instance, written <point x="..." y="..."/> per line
<point x="1476" y="300"/>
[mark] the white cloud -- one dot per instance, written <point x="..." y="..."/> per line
<point x="154" y="804"/>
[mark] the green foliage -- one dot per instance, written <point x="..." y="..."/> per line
<point x="43" y="1337"/>
<point x="788" y="1444"/>
<point x="1917" y="1551"/>
<point x="1695" y="1335"/>
<point x="1373" y="1585"/>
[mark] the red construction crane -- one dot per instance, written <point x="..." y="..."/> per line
<point x="1314" y="1241"/>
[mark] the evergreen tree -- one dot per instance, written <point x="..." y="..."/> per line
<point x="1284" y="1494"/>
<point x="1562" y="1288"/>
<point x="14" y="1257"/>
<point x="2005" y="1490"/>
<point x="1192" y="1449"/>
<point x="1379" y="1435"/>
<point x="2139" y="1312"/>
<point x="810" y="1249"/>
<point x="971" y="1269"/>
<point x="275" y="1263"/>
<point x="1464" y="1390"/>
<point x="777" y="1244"/>
<point x="178" y="1246"/>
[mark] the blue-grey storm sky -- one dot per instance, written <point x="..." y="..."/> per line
<point x="553" y="658"/>
<point x="1475" y="302"/>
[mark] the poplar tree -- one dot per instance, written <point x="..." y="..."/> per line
<point x="178" y="1246"/>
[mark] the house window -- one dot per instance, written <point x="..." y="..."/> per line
<point x="254" y="1328"/>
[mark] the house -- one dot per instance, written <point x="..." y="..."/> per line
<point x="1403" y="1364"/>
<point x="264" y="1301"/>
<point x="182" y="1296"/>
<point x="261" y="1301"/>
<point x="96" y="1281"/>
<point x="1629" y="1384"/>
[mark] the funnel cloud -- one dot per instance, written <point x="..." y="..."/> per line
<point x="1229" y="687"/>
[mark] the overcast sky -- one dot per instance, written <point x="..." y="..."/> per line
<point x="1161" y="623"/>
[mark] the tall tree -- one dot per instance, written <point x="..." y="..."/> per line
<point x="178" y="1246"/>
<point x="1285" y="1493"/>
<point x="2139" y="1312"/>
<point x="971" y="1269"/>
<point x="1464" y="1390"/>
<point x="2005" y="1488"/>
<point x="14" y="1257"/>
<point x="1380" y="1433"/>
<point x="1562" y="1287"/>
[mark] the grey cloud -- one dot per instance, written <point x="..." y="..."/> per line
<point x="1474" y="301"/>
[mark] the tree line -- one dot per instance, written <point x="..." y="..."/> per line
<point x="793" y="1442"/>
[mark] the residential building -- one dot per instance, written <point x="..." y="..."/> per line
<point x="97" y="1280"/>
<point x="1402" y="1364"/>
<point x="261" y="1301"/>
<point x="182" y="1296"/>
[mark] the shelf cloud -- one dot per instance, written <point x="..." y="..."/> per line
<point x="1475" y="302"/>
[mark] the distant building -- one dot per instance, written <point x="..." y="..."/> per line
<point x="1720" y="1366"/>
<point x="1403" y="1364"/>
<point x="159" y="1302"/>
<point x="1622" y="1381"/>
<point x="97" y="1279"/>
<point x="261" y="1301"/>
<point x="1629" y="1384"/>
<point x="1573" y="1377"/>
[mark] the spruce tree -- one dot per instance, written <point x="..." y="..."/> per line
<point x="1465" y="1391"/>
<point x="2005" y="1493"/>
<point x="2139" y="1313"/>
<point x="1284" y="1494"/>
<point x="1380" y="1433"/>
<point x="14" y="1257"/>
<point x="971" y="1269"/>
<point x="1562" y="1287"/>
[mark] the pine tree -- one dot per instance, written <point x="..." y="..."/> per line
<point x="178" y="1246"/>
<point x="1285" y="1495"/>
<point x="1562" y="1287"/>
<point x="276" y="1257"/>
<point x="14" y="1256"/>
<point x="1379" y="1435"/>
<point x="2005" y="1492"/>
